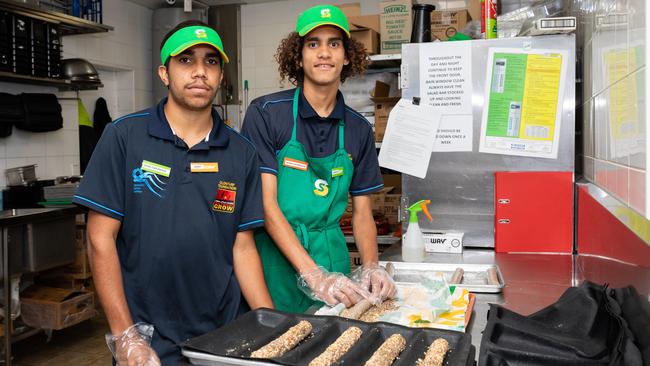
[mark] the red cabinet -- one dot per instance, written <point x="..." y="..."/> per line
<point x="533" y="212"/>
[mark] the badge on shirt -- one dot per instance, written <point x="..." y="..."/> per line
<point x="204" y="167"/>
<point x="224" y="201"/>
<point x="155" y="168"/>
<point x="337" y="172"/>
<point x="295" y="164"/>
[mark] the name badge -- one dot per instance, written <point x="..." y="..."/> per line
<point x="151" y="167"/>
<point x="204" y="167"/>
<point x="295" y="164"/>
<point x="337" y="172"/>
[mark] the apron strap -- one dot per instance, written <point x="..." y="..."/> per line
<point x="295" y="113"/>
<point x="341" y="133"/>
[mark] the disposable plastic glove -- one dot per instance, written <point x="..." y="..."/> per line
<point x="374" y="279"/>
<point x="131" y="348"/>
<point x="330" y="288"/>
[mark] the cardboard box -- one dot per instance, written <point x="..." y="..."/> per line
<point x="350" y="9"/>
<point x="446" y="23"/>
<point x="443" y="242"/>
<point x="81" y="264"/>
<point x="56" y="308"/>
<point x="383" y="105"/>
<point x="365" y="22"/>
<point x="368" y="37"/>
<point x="365" y="29"/>
<point x="474" y="9"/>
<point x="395" y="24"/>
<point x="391" y="207"/>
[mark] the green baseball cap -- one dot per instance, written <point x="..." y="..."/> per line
<point x="187" y="37"/>
<point x="320" y="15"/>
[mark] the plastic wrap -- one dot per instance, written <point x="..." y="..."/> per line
<point x="132" y="347"/>
<point x="331" y="287"/>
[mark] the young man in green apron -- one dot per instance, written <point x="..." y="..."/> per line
<point x="314" y="151"/>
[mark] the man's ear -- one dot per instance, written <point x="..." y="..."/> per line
<point x="164" y="76"/>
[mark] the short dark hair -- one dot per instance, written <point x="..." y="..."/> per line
<point x="181" y="25"/>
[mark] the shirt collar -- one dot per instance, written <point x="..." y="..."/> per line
<point x="306" y="111"/>
<point x="159" y="127"/>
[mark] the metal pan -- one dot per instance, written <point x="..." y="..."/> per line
<point x="476" y="277"/>
<point x="233" y="343"/>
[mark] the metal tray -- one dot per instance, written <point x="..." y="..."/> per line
<point x="474" y="278"/>
<point x="233" y="343"/>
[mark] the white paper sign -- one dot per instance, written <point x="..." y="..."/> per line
<point x="446" y="76"/>
<point x="409" y="137"/>
<point x="455" y="133"/>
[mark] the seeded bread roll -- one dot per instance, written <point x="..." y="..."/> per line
<point x="375" y="312"/>
<point x="388" y="351"/>
<point x="337" y="349"/>
<point x="435" y="354"/>
<point x="285" y="342"/>
<point x="356" y="310"/>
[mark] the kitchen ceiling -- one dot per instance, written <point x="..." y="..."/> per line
<point x="155" y="4"/>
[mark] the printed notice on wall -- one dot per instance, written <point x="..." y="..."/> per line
<point x="446" y="85"/>
<point x="522" y="114"/>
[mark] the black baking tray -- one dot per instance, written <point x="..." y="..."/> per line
<point x="256" y="328"/>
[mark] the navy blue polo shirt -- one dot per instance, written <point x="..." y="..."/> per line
<point x="269" y="122"/>
<point x="180" y="209"/>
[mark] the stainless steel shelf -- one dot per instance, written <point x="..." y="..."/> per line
<point x="68" y="23"/>
<point x="59" y="83"/>
<point x="391" y="61"/>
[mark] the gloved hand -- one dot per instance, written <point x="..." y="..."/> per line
<point x="330" y="288"/>
<point x="374" y="279"/>
<point x="131" y="348"/>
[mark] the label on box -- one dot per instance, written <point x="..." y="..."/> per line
<point x="443" y="242"/>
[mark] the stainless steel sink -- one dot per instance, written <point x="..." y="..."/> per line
<point x="41" y="239"/>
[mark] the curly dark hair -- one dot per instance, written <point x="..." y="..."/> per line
<point x="289" y="56"/>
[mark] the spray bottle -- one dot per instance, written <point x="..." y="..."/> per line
<point x="413" y="245"/>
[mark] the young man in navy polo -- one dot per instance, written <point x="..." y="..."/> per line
<point x="174" y="195"/>
<point x="314" y="151"/>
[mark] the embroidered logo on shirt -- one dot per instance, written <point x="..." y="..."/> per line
<point x="225" y="199"/>
<point x="322" y="188"/>
<point x="295" y="164"/>
<point x="144" y="179"/>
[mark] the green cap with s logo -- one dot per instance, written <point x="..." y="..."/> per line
<point x="321" y="15"/>
<point x="187" y="37"/>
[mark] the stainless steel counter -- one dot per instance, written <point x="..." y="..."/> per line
<point x="534" y="281"/>
<point x="21" y="242"/>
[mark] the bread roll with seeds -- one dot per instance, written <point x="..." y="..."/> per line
<point x="435" y="354"/>
<point x="388" y="351"/>
<point x="285" y="342"/>
<point x="337" y="349"/>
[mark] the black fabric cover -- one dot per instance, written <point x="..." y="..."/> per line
<point x="87" y="142"/>
<point x="101" y="116"/>
<point x="42" y="113"/>
<point x="588" y="325"/>
<point x="11" y="112"/>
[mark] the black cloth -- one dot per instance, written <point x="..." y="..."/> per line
<point x="586" y="326"/>
<point x="87" y="142"/>
<point x="11" y="112"/>
<point x="42" y="113"/>
<point x="101" y="116"/>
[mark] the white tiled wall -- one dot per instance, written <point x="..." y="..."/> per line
<point x="613" y="37"/>
<point x="263" y="25"/>
<point x="123" y="58"/>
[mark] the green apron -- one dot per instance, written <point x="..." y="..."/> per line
<point x="313" y="195"/>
